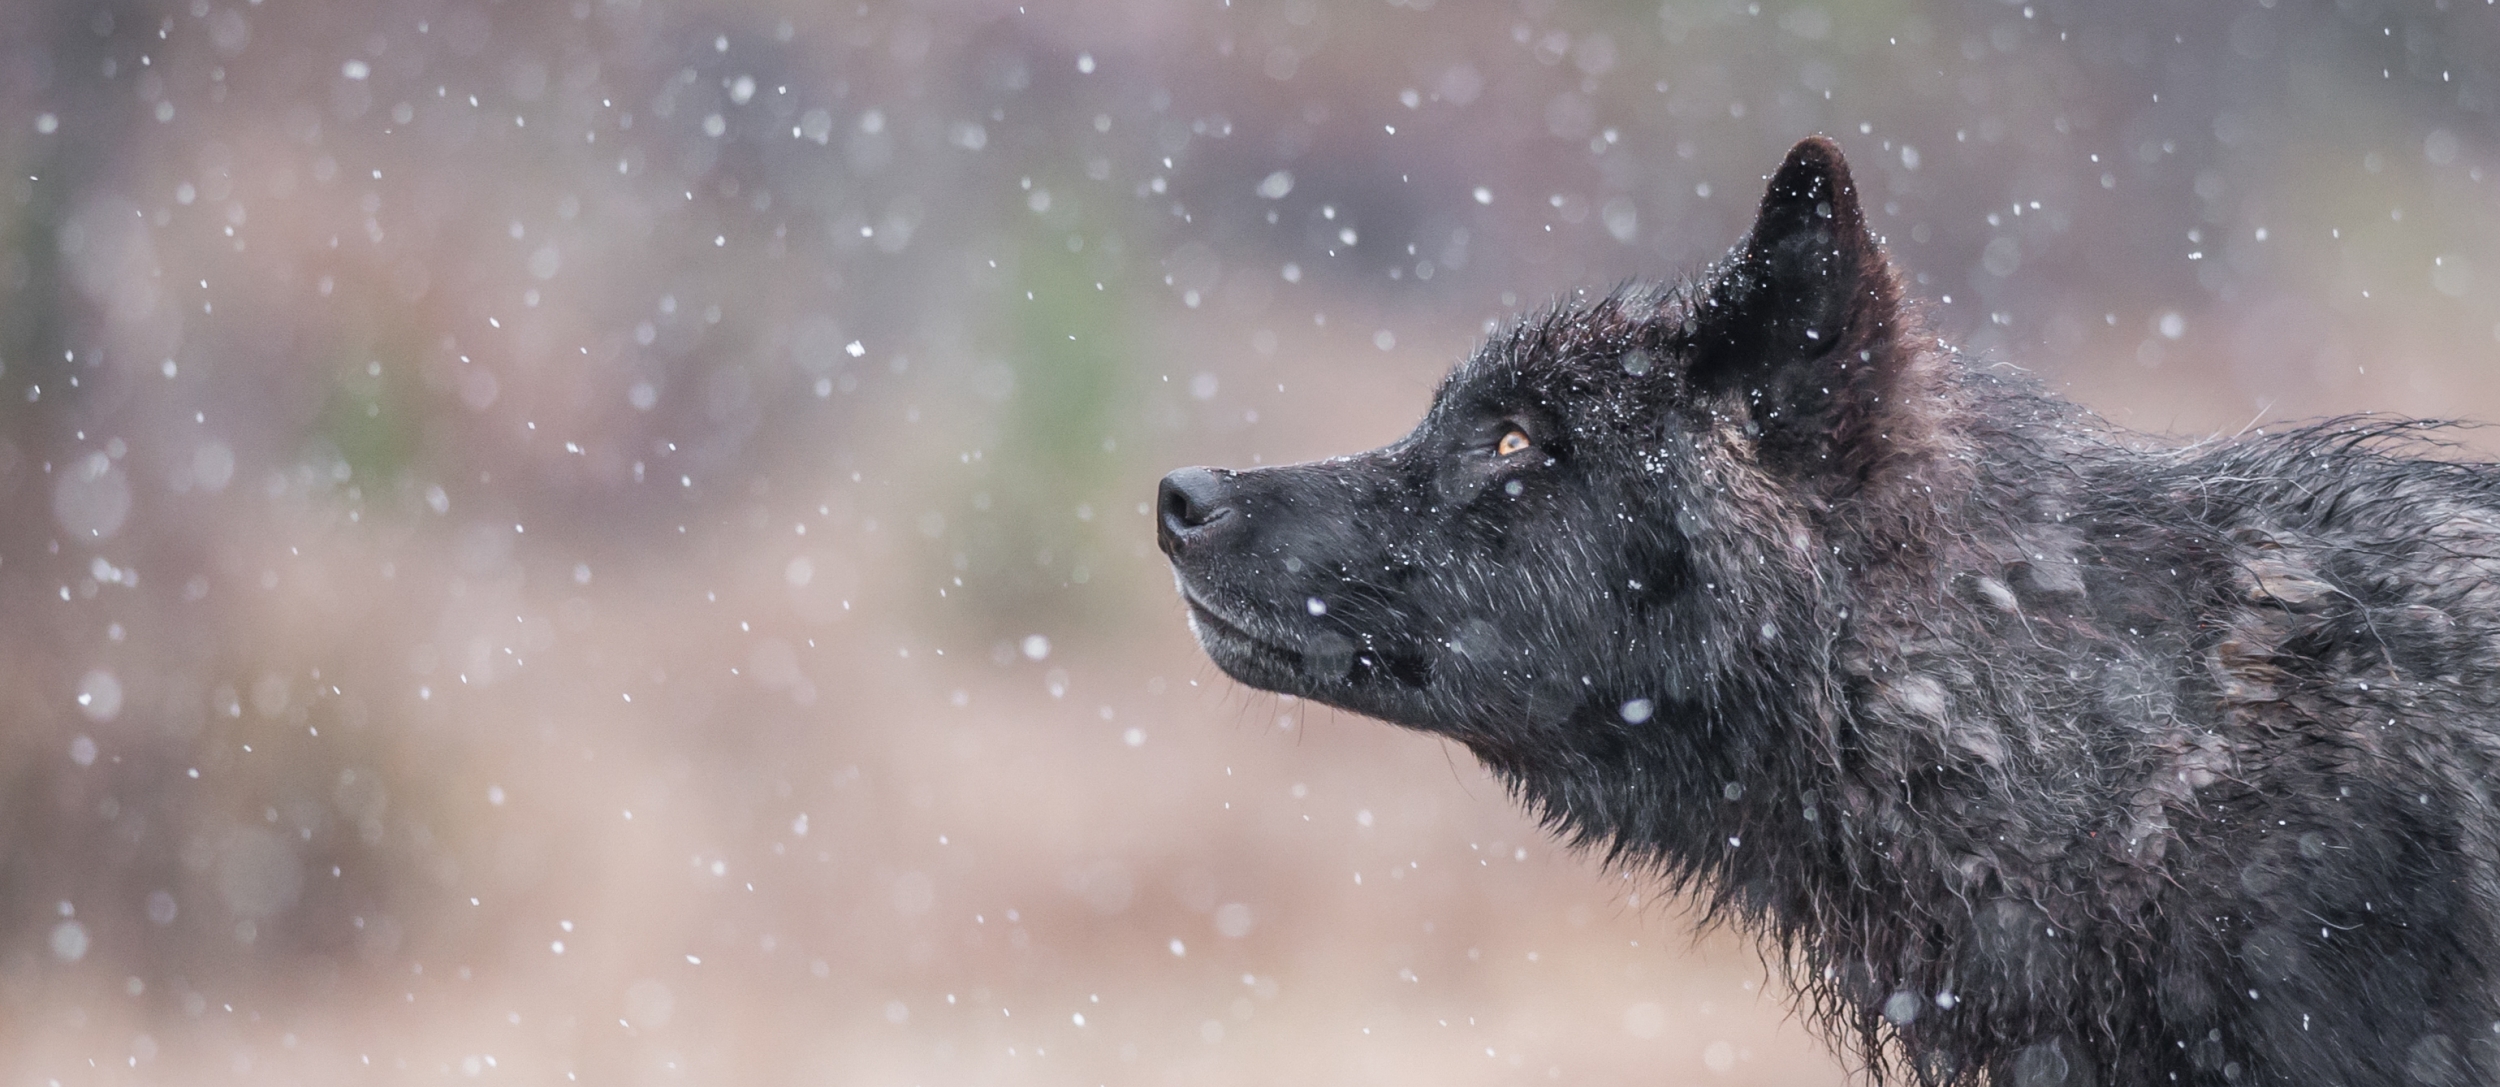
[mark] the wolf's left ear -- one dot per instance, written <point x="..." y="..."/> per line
<point x="1804" y="315"/>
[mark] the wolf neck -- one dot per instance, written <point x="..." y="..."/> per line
<point x="1765" y="815"/>
<point x="1737" y="810"/>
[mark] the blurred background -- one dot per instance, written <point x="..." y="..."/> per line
<point x="607" y="539"/>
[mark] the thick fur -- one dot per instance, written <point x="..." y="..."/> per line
<point x="2039" y="752"/>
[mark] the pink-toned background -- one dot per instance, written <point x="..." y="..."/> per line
<point x="605" y="539"/>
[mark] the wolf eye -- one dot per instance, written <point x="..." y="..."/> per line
<point x="1513" y="440"/>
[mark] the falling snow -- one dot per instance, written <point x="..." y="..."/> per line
<point x="542" y="534"/>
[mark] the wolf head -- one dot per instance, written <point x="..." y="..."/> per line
<point x="1618" y="519"/>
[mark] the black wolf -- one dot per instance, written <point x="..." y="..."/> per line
<point x="2039" y="752"/>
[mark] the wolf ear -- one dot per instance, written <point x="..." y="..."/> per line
<point x="1804" y="317"/>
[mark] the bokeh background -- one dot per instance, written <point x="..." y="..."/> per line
<point x="607" y="540"/>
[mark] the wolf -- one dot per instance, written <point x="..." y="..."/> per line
<point x="2034" y="751"/>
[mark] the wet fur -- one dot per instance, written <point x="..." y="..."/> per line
<point x="2032" y="747"/>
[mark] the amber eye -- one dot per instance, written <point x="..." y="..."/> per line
<point x="1512" y="441"/>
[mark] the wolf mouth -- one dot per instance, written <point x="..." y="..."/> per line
<point x="1326" y="665"/>
<point x="1238" y="650"/>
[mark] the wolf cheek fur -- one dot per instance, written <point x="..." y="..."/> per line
<point x="2038" y="752"/>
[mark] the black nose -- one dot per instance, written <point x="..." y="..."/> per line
<point x="1191" y="502"/>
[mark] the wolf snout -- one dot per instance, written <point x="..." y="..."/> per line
<point x="1190" y="504"/>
